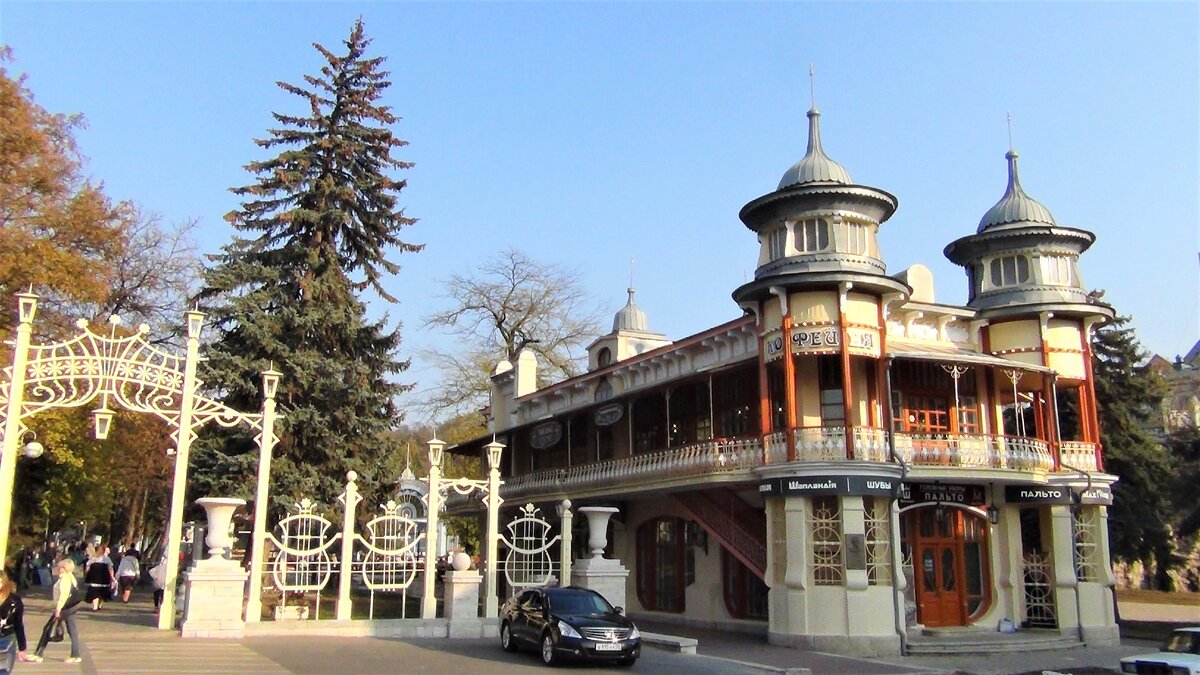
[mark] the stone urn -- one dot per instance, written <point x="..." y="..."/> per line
<point x="219" y="511"/>
<point x="598" y="527"/>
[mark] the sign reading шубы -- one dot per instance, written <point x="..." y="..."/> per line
<point x="829" y="485"/>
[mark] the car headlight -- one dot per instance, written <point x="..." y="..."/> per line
<point x="634" y="634"/>
<point x="1180" y="670"/>
<point x="1128" y="667"/>
<point x="567" y="630"/>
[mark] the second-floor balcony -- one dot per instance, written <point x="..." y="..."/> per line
<point x="735" y="459"/>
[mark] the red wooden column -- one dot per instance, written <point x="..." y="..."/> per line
<point x="847" y="389"/>
<point x="1093" y="410"/>
<point x="764" y="390"/>
<point x="789" y="382"/>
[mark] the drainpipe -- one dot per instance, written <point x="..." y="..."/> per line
<point x="898" y="613"/>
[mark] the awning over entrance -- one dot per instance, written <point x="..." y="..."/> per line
<point x="924" y="351"/>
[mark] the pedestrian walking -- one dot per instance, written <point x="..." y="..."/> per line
<point x="127" y="573"/>
<point x="12" y="626"/>
<point x="66" y="604"/>
<point x="99" y="576"/>
<point x="158" y="576"/>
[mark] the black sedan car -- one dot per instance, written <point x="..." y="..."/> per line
<point x="574" y="623"/>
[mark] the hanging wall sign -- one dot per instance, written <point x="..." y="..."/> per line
<point x="545" y="435"/>
<point x="825" y="339"/>
<point x="942" y="493"/>
<point x="829" y="485"/>
<point x="609" y="414"/>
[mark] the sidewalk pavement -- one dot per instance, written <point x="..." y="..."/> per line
<point x="123" y="639"/>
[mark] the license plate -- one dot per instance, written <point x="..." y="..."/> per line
<point x="608" y="647"/>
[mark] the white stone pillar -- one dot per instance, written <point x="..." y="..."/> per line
<point x="433" y="505"/>
<point x="491" y="607"/>
<point x="214" y="586"/>
<point x="603" y="575"/>
<point x="461" y="597"/>
<point x="350" y="500"/>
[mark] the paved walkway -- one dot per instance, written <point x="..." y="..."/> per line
<point x="122" y="639"/>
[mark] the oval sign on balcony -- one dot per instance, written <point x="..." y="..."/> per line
<point x="545" y="435"/>
<point x="609" y="414"/>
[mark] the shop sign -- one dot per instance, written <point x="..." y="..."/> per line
<point x="829" y="485"/>
<point x="545" y="435"/>
<point x="942" y="493"/>
<point x="825" y="339"/>
<point x="1046" y="494"/>
<point x="609" y="414"/>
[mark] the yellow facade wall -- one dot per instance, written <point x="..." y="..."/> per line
<point x="862" y="309"/>
<point x="817" y="307"/>
<point x="808" y="393"/>
<point x="1066" y="353"/>
<point x="1023" y="336"/>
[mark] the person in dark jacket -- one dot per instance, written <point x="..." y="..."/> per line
<point x="12" y="625"/>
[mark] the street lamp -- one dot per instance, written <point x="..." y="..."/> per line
<point x="32" y="449"/>
<point x="494" y="450"/>
<point x="436" y="449"/>
<point x="102" y="419"/>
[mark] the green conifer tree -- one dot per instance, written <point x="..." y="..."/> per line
<point x="318" y="222"/>
<point x="1141" y="518"/>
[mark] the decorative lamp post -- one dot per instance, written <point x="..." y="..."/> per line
<point x="32" y="448"/>
<point x="490" y="599"/>
<point x="432" y="506"/>
<point x="26" y="309"/>
<point x="270" y="384"/>
<point x="102" y="422"/>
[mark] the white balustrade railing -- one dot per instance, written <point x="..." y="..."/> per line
<point x="812" y="444"/>
<point x="697" y="459"/>
<point x="1078" y="455"/>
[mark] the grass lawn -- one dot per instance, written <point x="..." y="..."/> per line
<point x="1158" y="597"/>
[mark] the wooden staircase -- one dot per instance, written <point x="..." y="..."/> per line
<point x="734" y="524"/>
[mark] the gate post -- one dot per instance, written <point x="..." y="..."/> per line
<point x="432" y="506"/>
<point x="26" y="308"/>
<point x="564" y="563"/>
<point x="491" y="607"/>
<point x="266" y="444"/>
<point x="183" y="445"/>
<point x="350" y="500"/>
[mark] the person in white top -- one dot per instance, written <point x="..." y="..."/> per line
<point x="128" y="572"/>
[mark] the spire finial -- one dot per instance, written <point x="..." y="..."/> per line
<point x="812" y="85"/>
<point x="631" y="261"/>
<point x="1010" y="143"/>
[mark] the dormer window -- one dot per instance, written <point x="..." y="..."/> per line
<point x="1058" y="270"/>
<point x="603" y="357"/>
<point x="777" y="243"/>
<point x="812" y="235"/>
<point x="1009" y="271"/>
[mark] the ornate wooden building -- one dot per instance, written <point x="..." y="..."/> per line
<point x="847" y="460"/>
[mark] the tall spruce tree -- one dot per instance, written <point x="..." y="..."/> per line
<point x="1127" y="396"/>
<point x="320" y="218"/>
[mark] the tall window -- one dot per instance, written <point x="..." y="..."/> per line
<point x="777" y="242"/>
<point x="1058" y="270"/>
<point x="690" y="418"/>
<point x="1087" y="567"/>
<point x="735" y="401"/>
<point x="877" y="513"/>
<point x="856" y="238"/>
<point x="833" y="409"/>
<point x="603" y="357"/>
<point x="1009" y="271"/>
<point x="661" y="570"/>
<point x="745" y="593"/>
<point x="812" y="235"/>
<point x="778" y="397"/>
<point x="825" y="531"/>
<point x="649" y="423"/>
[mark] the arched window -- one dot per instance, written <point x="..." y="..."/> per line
<point x="662" y="572"/>
<point x="603" y="357"/>
<point x="1009" y="270"/>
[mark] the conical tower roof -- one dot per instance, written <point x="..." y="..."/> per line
<point x="630" y="317"/>
<point x="1015" y="206"/>
<point x="815" y="166"/>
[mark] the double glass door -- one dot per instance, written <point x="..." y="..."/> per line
<point x="949" y="564"/>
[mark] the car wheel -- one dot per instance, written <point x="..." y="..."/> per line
<point x="626" y="663"/>
<point x="506" y="638"/>
<point x="548" y="656"/>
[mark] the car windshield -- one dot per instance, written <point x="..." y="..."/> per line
<point x="579" y="603"/>
<point x="1183" y="642"/>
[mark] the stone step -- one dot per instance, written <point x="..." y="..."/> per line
<point x="934" y="642"/>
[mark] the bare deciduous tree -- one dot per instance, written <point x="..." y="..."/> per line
<point x="511" y="302"/>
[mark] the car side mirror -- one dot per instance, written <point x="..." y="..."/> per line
<point x="619" y="610"/>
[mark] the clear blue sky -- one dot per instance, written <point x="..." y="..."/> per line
<point x="586" y="134"/>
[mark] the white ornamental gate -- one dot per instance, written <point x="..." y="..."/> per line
<point x="529" y="559"/>
<point x="308" y="552"/>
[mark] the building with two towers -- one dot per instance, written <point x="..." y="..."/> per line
<point x="847" y="460"/>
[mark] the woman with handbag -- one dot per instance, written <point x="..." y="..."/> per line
<point x="12" y="625"/>
<point x="65" y="605"/>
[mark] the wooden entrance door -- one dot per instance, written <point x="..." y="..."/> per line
<point x="949" y="564"/>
